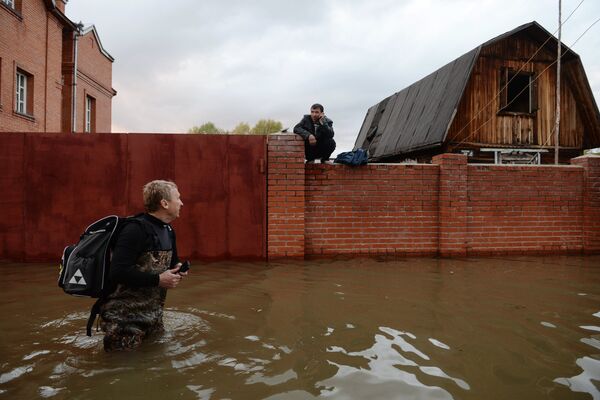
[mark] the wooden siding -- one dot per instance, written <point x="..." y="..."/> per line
<point x="478" y="121"/>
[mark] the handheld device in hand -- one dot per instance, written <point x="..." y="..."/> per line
<point x="185" y="266"/>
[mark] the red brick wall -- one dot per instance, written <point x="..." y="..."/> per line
<point x="33" y="41"/>
<point x="60" y="4"/>
<point x="285" y="197"/>
<point x="453" y="204"/>
<point x="54" y="82"/>
<point x="591" y="202"/>
<point x="93" y="62"/>
<point x="376" y="209"/>
<point x="94" y="78"/>
<point x="524" y="209"/>
<point x="447" y="208"/>
<point x="23" y="45"/>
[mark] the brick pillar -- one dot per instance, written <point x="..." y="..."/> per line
<point x="285" y="196"/>
<point x="452" y="204"/>
<point x="591" y="202"/>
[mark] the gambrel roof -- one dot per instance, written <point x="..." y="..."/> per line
<point x="418" y="117"/>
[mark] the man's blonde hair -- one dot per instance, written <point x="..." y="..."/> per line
<point x="155" y="191"/>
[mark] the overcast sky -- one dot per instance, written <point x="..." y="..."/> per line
<point x="180" y="63"/>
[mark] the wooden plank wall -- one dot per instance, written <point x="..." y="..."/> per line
<point x="477" y="119"/>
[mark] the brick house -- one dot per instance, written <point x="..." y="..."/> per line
<point x="55" y="75"/>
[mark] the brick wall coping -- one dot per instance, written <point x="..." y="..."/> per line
<point x="470" y="165"/>
<point x="586" y="156"/>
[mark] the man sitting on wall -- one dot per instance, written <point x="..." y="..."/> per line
<point x="317" y="131"/>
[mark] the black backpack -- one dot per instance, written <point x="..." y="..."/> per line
<point x="353" y="158"/>
<point x="84" y="267"/>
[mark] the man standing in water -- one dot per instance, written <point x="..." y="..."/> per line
<point x="143" y="266"/>
<point x="317" y="131"/>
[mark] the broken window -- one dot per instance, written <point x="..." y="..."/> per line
<point x="518" y="92"/>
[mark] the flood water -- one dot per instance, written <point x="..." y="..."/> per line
<point x="489" y="328"/>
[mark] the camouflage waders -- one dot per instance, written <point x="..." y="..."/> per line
<point x="132" y="313"/>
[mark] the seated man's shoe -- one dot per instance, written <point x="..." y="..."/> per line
<point x="326" y="161"/>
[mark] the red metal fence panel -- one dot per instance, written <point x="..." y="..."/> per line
<point x="56" y="184"/>
<point x="12" y="201"/>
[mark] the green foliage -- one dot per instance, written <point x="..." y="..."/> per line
<point x="241" y="129"/>
<point x="266" y="126"/>
<point x="262" y="127"/>
<point x="207" y="127"/>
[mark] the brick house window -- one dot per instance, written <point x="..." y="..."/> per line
<point x="24" y="93"/>
<point x="13" y="5"/>
<point x="90" y="114"/>
<point x="10" y="3"/>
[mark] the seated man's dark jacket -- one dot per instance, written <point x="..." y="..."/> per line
<point x="134" y="240"/>
<point x="306" y="127"/>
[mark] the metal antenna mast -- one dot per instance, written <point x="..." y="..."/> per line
<point x="557" y="123"/>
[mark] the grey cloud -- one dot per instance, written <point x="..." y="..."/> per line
<point x="184" y="62"/>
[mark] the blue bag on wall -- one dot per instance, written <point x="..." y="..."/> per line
<point x="353" y="158"/>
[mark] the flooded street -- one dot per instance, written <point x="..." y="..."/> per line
<point x="487" y="328"/>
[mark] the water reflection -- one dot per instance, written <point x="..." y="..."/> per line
<point x="15" y="373"/>
<point x="439" y="344"/>
<point x="588" y="381"/>
<point x="387" y="363"/>
<point x="203" y="394"/>
<point x="48" y="391"/>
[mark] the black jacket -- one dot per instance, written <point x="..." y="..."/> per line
<point x="306" y="127"/>
<point x="134" y="240"/>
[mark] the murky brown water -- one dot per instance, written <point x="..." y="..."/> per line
<point x="510" y="328"/>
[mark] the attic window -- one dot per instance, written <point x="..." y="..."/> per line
<point x="518" y="92"/>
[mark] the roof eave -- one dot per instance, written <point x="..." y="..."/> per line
<point x="92" y="28"/>
<point x="51" y="5"/>
<point x="408" y="151"/>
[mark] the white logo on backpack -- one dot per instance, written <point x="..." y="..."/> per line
<point x="78" y="279"/>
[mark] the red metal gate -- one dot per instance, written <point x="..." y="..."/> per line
<point x="56" y="184"/>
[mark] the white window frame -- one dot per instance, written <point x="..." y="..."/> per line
<point x="21" y="99"/>
<point x="9" y="3"/>
<point x="88" y="114"/>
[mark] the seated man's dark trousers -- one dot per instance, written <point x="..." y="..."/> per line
<point x="322" y="150"/>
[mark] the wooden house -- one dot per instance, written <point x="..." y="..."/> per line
<point x="496" y="100"/>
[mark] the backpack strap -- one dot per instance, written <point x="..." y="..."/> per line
<point x="95" y="310"/>
<point x="93" y="314"/>
<point x="147" y="227"/>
